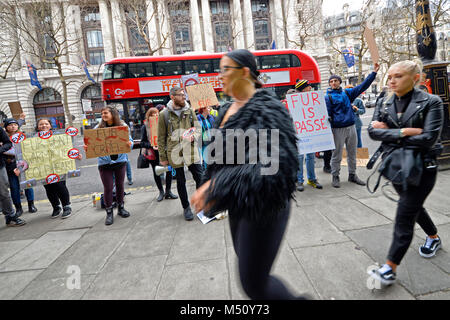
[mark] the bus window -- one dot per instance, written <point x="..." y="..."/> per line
<point x="119" y="71"/>
<point x="216" y="65"/>
<point x="197" y="66"/>
<point x="140" y="70"/>
<point x="295" y="61"/>
<point x="168" y="68"/>
<point x="276" y="61"/>
<point x="107" y="73"/>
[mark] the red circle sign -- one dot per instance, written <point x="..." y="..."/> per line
<point x="72" y="131"/>
<point x="18" y="137"/>
<point x="45" y="134"/>
<point x="73" y="153"/>
<point x="52" y="178"/>
<point x="189" y="133"/>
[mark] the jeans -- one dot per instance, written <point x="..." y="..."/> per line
<point x="129" y="176"/>
<point x="409" y="211"/>
<point x="358" y="134"/>
<point x="5" y="198"/>
<point x="310" y="159"/>
<point x="109" y="178"/>
<point x="14" y="186"/>
<point x="256" y="248"/>
<point x="344" y="136"/>
<point x="196" y="170"/>
<point x="57" y="192"/>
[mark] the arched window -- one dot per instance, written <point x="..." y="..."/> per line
<point x="91" y="100"/>
<point x="47" y="104"/>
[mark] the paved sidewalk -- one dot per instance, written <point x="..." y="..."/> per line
<point x="333" y="236"/>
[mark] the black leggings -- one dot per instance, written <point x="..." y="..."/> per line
<point x="57" y="192"/>
<point x="157" y="178"/>
<point x="256" y="248"/>
<point x="327" y="158"/>
<point x="409" y="211"/>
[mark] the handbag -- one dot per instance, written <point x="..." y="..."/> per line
<point x="142" y="162"/>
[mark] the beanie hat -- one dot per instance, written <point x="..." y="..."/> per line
<point x="302" y="84"/>
<point x="8" y="121"/>
<point x="335" y="77"/>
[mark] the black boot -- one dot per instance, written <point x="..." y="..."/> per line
<point x="170" y="195"/>
<point x="109" y="216"/>
<point x="122" y="212"/>
<point x="31" y="207"/>
<point x="161" y="196"/>
<point x="19" y="209"/>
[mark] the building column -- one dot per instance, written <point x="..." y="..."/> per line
<point x="73" y="46"/>
<point x="165" y="36"/>
<point x="108" y="41"/>
<point x="209" y="39"/>
<point x="23" y="39"/>
<point x="236" y="27"/>
<point x="292" y="22"/>
<point x="59" y="25"/>
<point x="152" y="26"/>
<point x="195" y="26"/>
<point x="119" y="26"/>
<point x="249" y="32"/>
<point x="277" y="24"/>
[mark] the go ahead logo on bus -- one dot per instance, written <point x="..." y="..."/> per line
<point x="45" y="134"/>
<point x="52" y="178"/>
<point x="71" y="131"/>
<point x="18" y="137"/>
<point x="121" y="92"/>
<point x="73" y="153"/>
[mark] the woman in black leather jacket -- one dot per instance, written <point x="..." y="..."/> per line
<point x="411" y="118"/>
<point x="258" y="201"/>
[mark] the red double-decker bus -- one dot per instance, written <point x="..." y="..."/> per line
<point x="138" y="83"/>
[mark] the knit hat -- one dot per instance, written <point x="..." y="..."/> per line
<point x="8" y="121"/>
<point x="301" y="84"/>
<point x="335" y="77"/>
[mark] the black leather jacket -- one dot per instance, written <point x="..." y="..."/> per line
<point x="424" y="111"/>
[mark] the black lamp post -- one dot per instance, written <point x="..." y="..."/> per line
<point x="436" y="71"/>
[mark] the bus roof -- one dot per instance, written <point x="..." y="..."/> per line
<point x="193" y="56"/>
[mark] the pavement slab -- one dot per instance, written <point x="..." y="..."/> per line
<point x="10" y="248"/>
<point x="14" y="282"/>
<point x="42" y="252"/>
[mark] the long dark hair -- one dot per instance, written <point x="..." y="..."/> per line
<point x="116" y="117"/>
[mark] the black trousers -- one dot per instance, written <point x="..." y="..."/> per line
<point x="157" y="178"/>
<point x="57" y="192"/>
<point x="409" y="211"/>
<point x="256" y="248"/>
<point x="197" y="171"/>
<point x="327" y="158"/>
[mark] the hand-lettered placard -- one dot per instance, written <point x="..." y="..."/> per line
<point x="153" y="123"/>
<point x="106" y="141"/>
<point x="47" y="156"/>
<point x="16" y="109"/>
<point x="310" y="115"/>
<point x="202" y="95"/>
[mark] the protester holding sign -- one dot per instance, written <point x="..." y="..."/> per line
<point x="12" y="220"/>
<point x="112" y="167"/>
<point x="152" y="152"/>
<point x="12" y="127"/>
<point x="304" y="86"/>
<point x="57" y="192"/>
<point x="207" y="122"/>
<point x="342" y="119"/>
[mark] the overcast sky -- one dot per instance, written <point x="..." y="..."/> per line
<point x="332" y="7"/>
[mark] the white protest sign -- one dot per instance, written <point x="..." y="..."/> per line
<point x="310" y="115"/>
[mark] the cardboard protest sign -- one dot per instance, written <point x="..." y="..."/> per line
<point x="46" y="160"/>
<point x="373" y="49"/>
<point x="16" y="109"/>
<point x="106" y="141"/>
<point x="362" y="157"/>
<point x="153" y="123"/>
<point x="310" y="115"/>
<point x="202" y="95"/>
<point x="189" y="80"/>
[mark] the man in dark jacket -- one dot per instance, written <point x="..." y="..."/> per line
<point x="5" y="198"/>
<point x="342" y="119"/>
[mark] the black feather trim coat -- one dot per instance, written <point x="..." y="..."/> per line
<point x="241" y="188"/>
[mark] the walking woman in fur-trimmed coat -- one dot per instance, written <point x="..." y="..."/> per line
<point x="257" y="200"/>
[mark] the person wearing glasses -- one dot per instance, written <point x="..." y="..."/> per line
<point x="257" y="193"/>
<point x="174" y="124"/>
